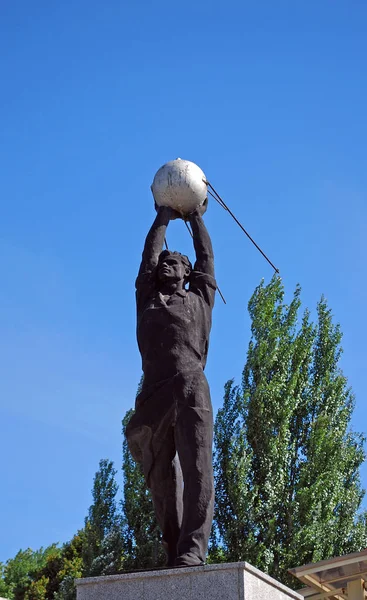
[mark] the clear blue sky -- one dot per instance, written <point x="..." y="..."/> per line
<point x="269" y="98"/>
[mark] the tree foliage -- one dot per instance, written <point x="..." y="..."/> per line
<point x="102" y="550"/>
<point x="286" y="462"/>
<point x="71" y="567"/>
<point x="23" y="576"/>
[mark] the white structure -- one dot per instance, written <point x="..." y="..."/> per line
<point x="180" y="184"/>
<point x="341" y="578"/>
<point x="228" y="581"/>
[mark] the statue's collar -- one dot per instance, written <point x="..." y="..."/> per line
<point x="181" y="293"/>
<point x="168" y="299"/>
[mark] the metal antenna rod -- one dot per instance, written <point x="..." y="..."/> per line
<point x="190" y="232"/>
<point x="223" y="205"/>
<point x="217" y="199"/>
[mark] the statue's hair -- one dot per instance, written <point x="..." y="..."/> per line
<point x="184" y="259"/>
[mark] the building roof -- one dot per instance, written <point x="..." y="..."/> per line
<point x="328" y="579"/>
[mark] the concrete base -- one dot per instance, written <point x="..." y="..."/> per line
<point x="227" y="581"/>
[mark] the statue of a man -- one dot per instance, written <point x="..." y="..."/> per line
<point x="171" y="431"/>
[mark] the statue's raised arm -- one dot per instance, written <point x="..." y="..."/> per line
<point x="155" y="239"/>
<point x="202" y="244"/>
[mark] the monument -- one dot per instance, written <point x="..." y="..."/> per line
<point x="171" y="431"/>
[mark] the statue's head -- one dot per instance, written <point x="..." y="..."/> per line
<point x="173" y="267"/>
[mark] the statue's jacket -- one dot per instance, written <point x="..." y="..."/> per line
<point x="173" y="338"/>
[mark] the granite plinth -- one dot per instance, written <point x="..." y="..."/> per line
<point x="227" y="581"/>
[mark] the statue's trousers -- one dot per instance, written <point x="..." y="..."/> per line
<point x="171" y="434"/>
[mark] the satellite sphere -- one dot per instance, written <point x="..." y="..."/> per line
<point x="180" y="184"/>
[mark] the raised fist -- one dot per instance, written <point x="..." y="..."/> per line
<point x="199" y="210"/>
<point x="172" y="214"/>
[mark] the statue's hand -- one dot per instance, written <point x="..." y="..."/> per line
<point x="200" y="210"/>
<point x="175" y="214"/>
<point x="170" y="212"/>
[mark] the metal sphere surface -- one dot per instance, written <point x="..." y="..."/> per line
<point x="180" y="184"/>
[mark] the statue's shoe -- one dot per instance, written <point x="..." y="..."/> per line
<point x="188" y="560"/>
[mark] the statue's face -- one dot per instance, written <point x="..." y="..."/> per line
<point x="172" y="269"/>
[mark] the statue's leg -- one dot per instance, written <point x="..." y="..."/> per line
<point x="193" y="439"/>
<point x="166" y="486"/>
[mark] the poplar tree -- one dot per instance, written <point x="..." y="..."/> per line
<point x="102" y="549"/>
<point x="288" y="488"/>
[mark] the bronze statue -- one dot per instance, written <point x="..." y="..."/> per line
<point x="171" y="431"/>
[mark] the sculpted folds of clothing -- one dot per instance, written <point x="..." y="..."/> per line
<point x="171" y="431"/>
<point x="175" y="416"/>
<point x="173" y="338"/>
<point x="159" y="407"/>
<point x="173" y="334"/>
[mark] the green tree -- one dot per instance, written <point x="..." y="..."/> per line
<point x="287" y="464"/>
<point x="37" y="589"/>
<point x="21" y="573"/>
<point x="72" y="567"/>
<point x="102" y="548"/>
<point x="141" y="534"/>
<point x="4" y="588"/>
<point x="102" y="514"/>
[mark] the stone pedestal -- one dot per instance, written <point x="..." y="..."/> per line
<point x="228" y="581"/>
